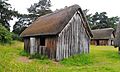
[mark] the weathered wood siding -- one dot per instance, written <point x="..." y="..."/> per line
<point x="73" y="39"/>
<point x="50" y="44"/>
<point x="33" y="45"/>
<point x="27" y="44"/>
<point x="102" y="42"/>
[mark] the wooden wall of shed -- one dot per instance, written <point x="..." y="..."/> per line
<point x="37" y="42"/>
<point x="102" y="42"/>
<point x="73" y="39"/>
<point x="49" y="49"/>
<point x="50" y="43"/>
<point x="27" y="44"/>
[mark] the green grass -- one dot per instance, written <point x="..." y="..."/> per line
<point x="78" y="60"/>
<point x="100" y="59"/>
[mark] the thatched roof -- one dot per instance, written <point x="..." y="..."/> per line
<point x="53" y="23"/>
<point x="102" y="33"/>
<point x="117" y="36"/>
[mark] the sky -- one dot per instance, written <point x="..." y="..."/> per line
<point x="109" y="6"/>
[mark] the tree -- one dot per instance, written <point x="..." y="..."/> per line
<point x="101" y="20"/>
<point x="36" y="10"/>
<point x="39" y="9"/>
<point x="113" y="21"/>
<point x="23" y="22"/>
<point x="89" y="17"/>
<point x="6" y="13"/>
<point x="5" y="35"/>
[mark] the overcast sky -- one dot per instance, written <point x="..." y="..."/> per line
<point x="109" y="6"/>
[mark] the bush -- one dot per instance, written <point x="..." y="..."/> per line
<point x="5" y="35"/>
<point x="16" y="37"/>
<point x="24" y="53"/>
<point x="33" y="56"/>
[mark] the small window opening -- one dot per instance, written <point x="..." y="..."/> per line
<point x="42" y="41"/>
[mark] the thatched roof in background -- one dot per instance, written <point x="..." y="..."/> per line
<point x="102" y="33"/>
<point x="117" y="36"/>
<point x="53" y="23"/>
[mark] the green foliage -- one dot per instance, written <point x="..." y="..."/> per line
<point x="6" y="13"/>
<point x="36" y="10"/>
<point x="101" y="20"/>
<point x="16" y="37"/>
<point x="33" y="56"/>
<point x="5" y="35"/>
<point x="38" y="56"/>
<point x="24" y="53"/>
<point x="23" y="22"/>
<point x="40" y="8"/>
<point x="78" y="60"/>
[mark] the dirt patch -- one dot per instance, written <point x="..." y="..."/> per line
<point x="56" y="63"/>
<point x="24" y="59"/>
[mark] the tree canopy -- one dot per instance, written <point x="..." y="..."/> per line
<point x="101" y="20"/>
<point x="5" y="35"/>
<point x="6" y="13"/>
<point x="36" y="10"/>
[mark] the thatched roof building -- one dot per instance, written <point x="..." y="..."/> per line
<point x="53" y="23"/>
<point x="59" y="34"/>
<point x="103" y="36"/>
<point x="102" y="33"/>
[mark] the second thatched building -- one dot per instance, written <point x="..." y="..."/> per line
<point x="103" y="36"/>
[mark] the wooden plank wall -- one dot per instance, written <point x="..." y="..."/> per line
<point x="27" y="44"/>
<point x="50" y="43"/>
<point x="72" y="39"/>
<point x="37" y="42"/>
<point x="32" y="45"/>
<point x="102" y="42"/>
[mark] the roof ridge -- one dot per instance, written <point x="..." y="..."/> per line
<point x="59" y="10"/>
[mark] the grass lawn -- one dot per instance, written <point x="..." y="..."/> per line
<point x="100" y="59"/>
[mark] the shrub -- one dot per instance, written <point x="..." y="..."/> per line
<point x="24" y="53"/>
<point x="33" y="56"/>
<point x="16" y="37"/>
<point x="5" y="35"/>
